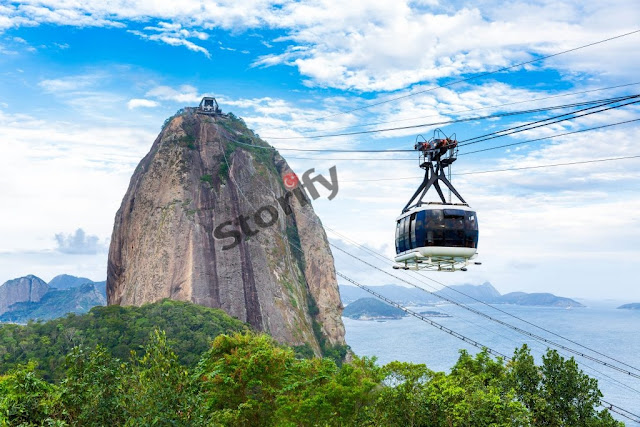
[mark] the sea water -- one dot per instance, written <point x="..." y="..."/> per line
<point x="599" y="326"/>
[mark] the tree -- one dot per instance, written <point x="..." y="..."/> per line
<point x="403" y="401"/>
<point x="26" y="399"/>
<point x="92" y="390"/>
<point x="240" y="378"/>
<point x="558" y="392"/>
<point x="158" y="389"/>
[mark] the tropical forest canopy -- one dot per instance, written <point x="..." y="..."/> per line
<point x="110" y="370"/>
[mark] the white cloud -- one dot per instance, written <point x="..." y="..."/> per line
<point x="183" y="94"/>
<point x="137" y="102"/>
<point x="70" y="83"/>
<point x="374" y="46"/>
<point x="79" y="243"/>
<point x="174" y="35"/>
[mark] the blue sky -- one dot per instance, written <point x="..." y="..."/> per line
<point x="85" y="87"/>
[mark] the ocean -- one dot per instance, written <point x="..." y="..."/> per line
<point x="599" y="326"/>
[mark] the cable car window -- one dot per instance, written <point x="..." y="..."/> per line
<point x="434" y="219"/>
<point x="398" y="237"/>
<point x="420" y="230"/>
<point x="413" y="231"/>
<point x="453" y="213"/>
<point x="405" y="232"/>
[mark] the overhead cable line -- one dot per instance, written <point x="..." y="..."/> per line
<point x="493" y="319"/>
<point x="355" y="159"/>
<point x="477" y="76"/>
<point x="468" y="340"/>
<point x="422" y="275"/>
<point x="548" y="137"/>
<point x="620" y="411"/>
<point x="549" y="121"/>
<point x="511" y="326"/>
<point x="425" y="319"/>
<point x="610" y="406"/>
<point x="553" y="165"/>
<point x="489" y="107"/>
<point x="605" y="101"/>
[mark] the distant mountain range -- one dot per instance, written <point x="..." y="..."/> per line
<point x="462" y="293"/>
<point x="31" y="298"/>
<point x="632" y="306"/>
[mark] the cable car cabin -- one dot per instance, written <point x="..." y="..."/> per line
<point x="436" y="236"/>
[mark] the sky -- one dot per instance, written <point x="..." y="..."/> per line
<point x="86" y="86"/>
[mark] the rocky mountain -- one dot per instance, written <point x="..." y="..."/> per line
<point x="24" y="289"/>
<point x="372" y="308"/>
<point x="207" y="219"/>
<point x="56" y="303"/>
<point x="66" y="281"/>
<point x="472" y="293"/>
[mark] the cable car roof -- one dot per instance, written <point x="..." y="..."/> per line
<point x="436" y="206"/>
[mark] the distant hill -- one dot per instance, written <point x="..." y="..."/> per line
<point x="372" y="308"/>
<point x="56" y="303"/>
<point x="631" y="306"/>
<point x="400" y="294"/>
<point x="190" y="328"/>
<point x="466" y="294"/>
<point x="23" y="289"/>
<point x="30" y="298"/>
<point x="66" y="281"/>
<point x="539" y="299"/>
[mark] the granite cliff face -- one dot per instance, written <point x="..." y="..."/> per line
<point x="24" y="289"/>
<point x="204" y="174"/>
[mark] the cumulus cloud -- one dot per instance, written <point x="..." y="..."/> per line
<point x="78" y="243"/>
<point x="376" y="46"/>
<point x="137" y="102"/>
<point x="69" y="83"/>
<point x="173" y="34"/>
<point x="183" y="94"/>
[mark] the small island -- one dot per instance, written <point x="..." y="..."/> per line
<point x="372" y="309"/>
<point x="430" y="313"/>
<point x="631" y="306"/>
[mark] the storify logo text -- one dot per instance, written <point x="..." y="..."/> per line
<point x="266" y="216"/>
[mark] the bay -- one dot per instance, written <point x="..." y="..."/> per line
<point x="599" y="326"/>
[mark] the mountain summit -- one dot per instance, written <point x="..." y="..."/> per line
<point x="207" y="218"/>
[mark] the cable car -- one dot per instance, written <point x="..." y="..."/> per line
<point x="442" y="235"/>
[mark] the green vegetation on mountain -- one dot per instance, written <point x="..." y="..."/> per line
<point x="372" y="308"/>
<point x="118" y="330"/>
<point x="242" y="379"/>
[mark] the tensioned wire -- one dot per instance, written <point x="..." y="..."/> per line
<point x="529" y="334"/>
<point x="477" y="76"/>
<point x="460" y="336"/>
